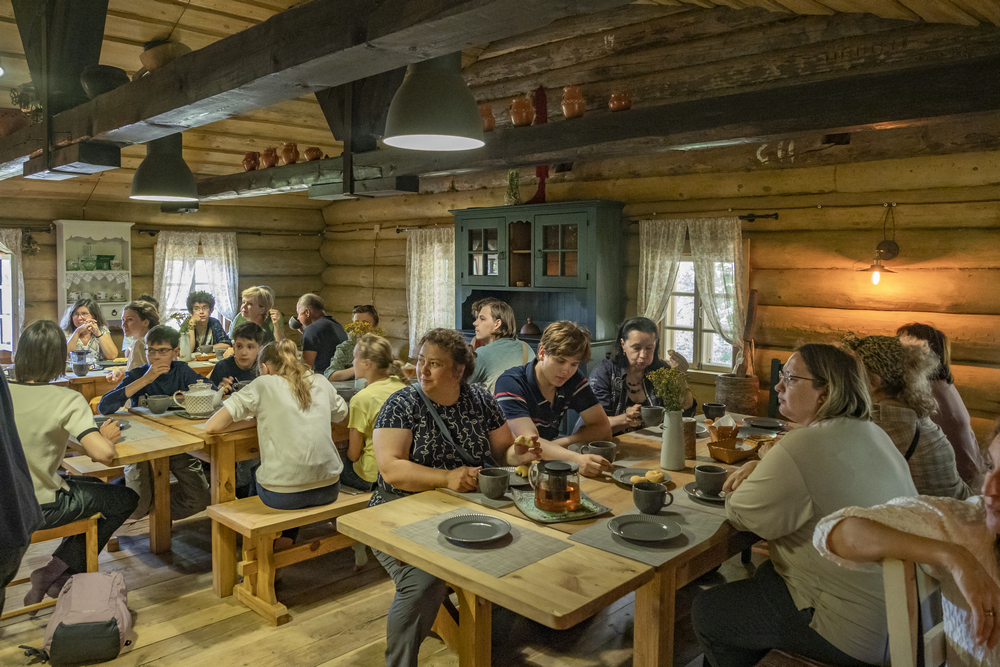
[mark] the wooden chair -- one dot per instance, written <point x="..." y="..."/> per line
<point x="916" y="631"/>
<point x="772" y="398"/>
<point x="86" y="527"/>
<point x="260" y="525"/>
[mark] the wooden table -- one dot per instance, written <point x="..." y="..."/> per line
<point x="157" y="451"/>
<point x="558" y="591"/>
<point x="92" y="385"/>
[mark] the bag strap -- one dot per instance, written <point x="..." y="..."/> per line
<point x="445" y="433"/>
<point x="524" y="356"/>
<point x="913" y="445"/>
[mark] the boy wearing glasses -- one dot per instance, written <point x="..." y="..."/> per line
<point x="163" y="375"/>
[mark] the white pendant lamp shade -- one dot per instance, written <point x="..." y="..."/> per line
<point x="164" y="176"/>
<point x="434" y="110"/>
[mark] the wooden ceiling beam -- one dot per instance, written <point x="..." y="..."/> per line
<point x="847" y="104"/>
<point x="310" y="47"/>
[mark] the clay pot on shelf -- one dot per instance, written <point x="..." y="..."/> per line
<point x="12" y="120"/>
<point x="530" y="329"/>
<point x="160" y="52"/>
<point x="268" y="158"/>
<point x="251" y="161"/>
<point x="573" y="104"/>
<point x="99" y="79"/>
<point x="313" y="153"/>
<point x="486" y="114"/>
<point x="620" y="101"/>
<point x="522" y="112"/>
<point x="290" y="153"/>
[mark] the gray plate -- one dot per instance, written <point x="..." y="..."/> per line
<point x="122" y="424"/>
<point x="622" y="475"/>
<point x="692" y="491"/>
<point x="514" y="479"/>
<point x="765" y="423"/>
<point x="473" y="528"/>
<point x="184" y="413"/>
<point x="644" y="528"/>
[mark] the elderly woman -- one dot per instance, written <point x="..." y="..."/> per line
<point x="258" y="307"/>
<point x="902" y="404"/>
<point x="620" y="382"/>
<point x="86" y="329"/>
<point x="951" y="414"/>
<point x="838" y="458"/>
<point x="137" y="319"/>
<point x="413" y="455"/>
<point x="957" y="539"/>
<point x="205" y="329"/>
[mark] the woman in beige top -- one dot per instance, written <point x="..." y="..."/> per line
<point x="137" y="319"/>
<point x="799" y="601"/>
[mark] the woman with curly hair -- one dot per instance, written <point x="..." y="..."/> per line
<point x="899" y="381"/>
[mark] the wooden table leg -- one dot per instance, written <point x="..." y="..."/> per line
<point x="223" y="539"/>
<point x="475" y="626"/>
<point x="159" y="513"/>
<point x="654" y="620"/>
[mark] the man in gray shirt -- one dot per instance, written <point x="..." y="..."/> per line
<point x="497" y="346"/>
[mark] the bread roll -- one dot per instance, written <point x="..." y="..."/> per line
<point x="654" y="476"/>
<point x="635" y="479"/>
<point x="524" y="441"/>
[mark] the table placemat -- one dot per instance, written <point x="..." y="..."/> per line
<point x="481" y="499"/>
<point x="518" y="549"/>
<point x="140" y="431"/>
<point x="696" y="527"/>
<point x="682" y="499"/>
<point x="146" y="412"/>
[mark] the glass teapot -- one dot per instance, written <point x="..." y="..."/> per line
<point x="557" y="485"/>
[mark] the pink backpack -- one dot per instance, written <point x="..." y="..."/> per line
<point x="91" y="622"/>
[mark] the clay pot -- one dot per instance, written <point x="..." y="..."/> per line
<point x="486" y="114"/>
<point x="268" y="158"/>
<point x="12" y="120"/>
<point x="158" y="54"/>
<point x="99" y="79"/>
<point x="620" y="101"/>
<point x="251" y="161"/>
<point x="530" y="329"/>
<point x="313" y="153"/>
<point x="290" y="153"/>
<point x="573" y="104"/>
<point x="522" y="112"/>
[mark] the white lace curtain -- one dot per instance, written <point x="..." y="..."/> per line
<point x="430" y="282"/>
<point x="173" y="270"/>
<point x="720" y="268"/>
<point x="10" y="243"/>
<point x="222" y="262"/>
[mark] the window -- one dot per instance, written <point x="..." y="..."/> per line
<point x="688" y="330"/>
<point x="6" y="303"/>
<point x="200" y="281"/>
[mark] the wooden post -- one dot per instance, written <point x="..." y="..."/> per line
<point x="654" y="620"/>
<point x="223" y="538"/>
<point x="475" y="625"/>
<point x="159" y="513"/>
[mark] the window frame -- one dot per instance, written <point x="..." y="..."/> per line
<point x="700" y="327"/>
<point x="7" y="302"/>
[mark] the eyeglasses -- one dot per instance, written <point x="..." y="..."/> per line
<point x="159" y="351"/>
<point x="787" y="377"/>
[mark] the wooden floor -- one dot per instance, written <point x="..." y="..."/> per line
<point x="338" y="615"/>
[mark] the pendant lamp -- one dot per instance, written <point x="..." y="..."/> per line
<point x="434" y="110"/>
<point x="887" y="249"/>
<point x="163" y="175"/>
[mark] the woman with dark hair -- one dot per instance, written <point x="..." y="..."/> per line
<point x="46" y="416"/>
<point x="837" y="458"/>
<point x="86" y="329"/>
<point x="205" y="329"/>
<point x="620" y="383"/>
<point x="414" y="455"/>
<point x="137" y="319"/>
<point x="951" y="414"/>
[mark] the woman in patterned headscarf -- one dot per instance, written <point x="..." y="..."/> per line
<point x="898" y="377"/>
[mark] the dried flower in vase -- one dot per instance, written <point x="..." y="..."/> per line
<point x="671" y="387"/>
<point x="513" y="195"/>
<point x="356" y="330"/>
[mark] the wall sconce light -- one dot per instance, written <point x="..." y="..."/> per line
<point x="887" y="249"/>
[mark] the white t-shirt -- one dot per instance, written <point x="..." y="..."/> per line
<point x="46" y="416"/>
<point x="297" y="452"/>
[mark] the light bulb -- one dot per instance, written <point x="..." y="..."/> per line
<point x="876" y="276"/>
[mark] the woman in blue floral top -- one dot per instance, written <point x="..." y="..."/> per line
<point x="413" y="456"/>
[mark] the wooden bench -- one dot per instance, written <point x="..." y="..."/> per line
<point x="260" y="525"/>
<point x="86" y="527"/>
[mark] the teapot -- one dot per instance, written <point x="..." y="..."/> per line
<point x="200" y="400"/>
<point x="557" y="485"/>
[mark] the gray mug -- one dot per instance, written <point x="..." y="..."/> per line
<point x="158" y="404"/>
<point x="221" y="352"/>
<point x="493" y="482"/>
<point x="710" y="479"/>
<point x="206" y="349"/>
<point x="604" y="448"/>
<point x="651" y="416"/>
<point x="651" y="497"/>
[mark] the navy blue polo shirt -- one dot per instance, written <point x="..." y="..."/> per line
<point x="518" y="394"/>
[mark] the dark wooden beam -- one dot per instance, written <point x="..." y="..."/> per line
<point x="279" y="180"/>
<point x="310" y="47"/>
<point x="370" y="106"/>
<point x="900" y="98"/>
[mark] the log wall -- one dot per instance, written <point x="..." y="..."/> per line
<point x="806" y="265"/>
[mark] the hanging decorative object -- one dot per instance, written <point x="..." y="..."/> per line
<point x="887" y="249"/>
<point x="29" y="246"/>
<point x="26" y="98"/>
<point x="541" y="101"/>
<point x="513" y="196"/>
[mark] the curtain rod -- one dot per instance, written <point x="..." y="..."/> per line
<point x="216" y="230"/>
<point x="379" y="228"/>
<point x="749" y="217"/>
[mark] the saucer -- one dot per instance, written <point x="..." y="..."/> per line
<point x="692" y="491"/>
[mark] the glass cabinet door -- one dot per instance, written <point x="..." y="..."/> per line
<point x="481" y="251"/>
<point x="558" y="254"/>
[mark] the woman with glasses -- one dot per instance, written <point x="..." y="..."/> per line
<point x="205" y="329"/>
<point x="837" y="458"/>
<point x="86" y="329"/>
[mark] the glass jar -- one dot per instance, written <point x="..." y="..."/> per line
<point x="557" y="486"/>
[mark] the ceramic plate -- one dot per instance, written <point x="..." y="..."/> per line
<point x="473" y="528"/>
<point x="111" y="363"/>
<point x="514" y="478"/>
<point x="184" y="413"/>
<point x="622" y="475"/>
<point x="766" y="423"/>
<point x="644" y="528"/>
<point x="574" y="448"/>
<point x="122" y="424"/>
<point x="692" y="491"/>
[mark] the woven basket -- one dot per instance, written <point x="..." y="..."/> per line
<point x="738" y="394"/>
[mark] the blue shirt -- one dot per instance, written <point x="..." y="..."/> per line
<point x="214" y="333"/>
<point x="322" y="337"/>
<point x="178" y="378"/>
<point x="519" y="396"/>
<point x="228" y="368"/>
